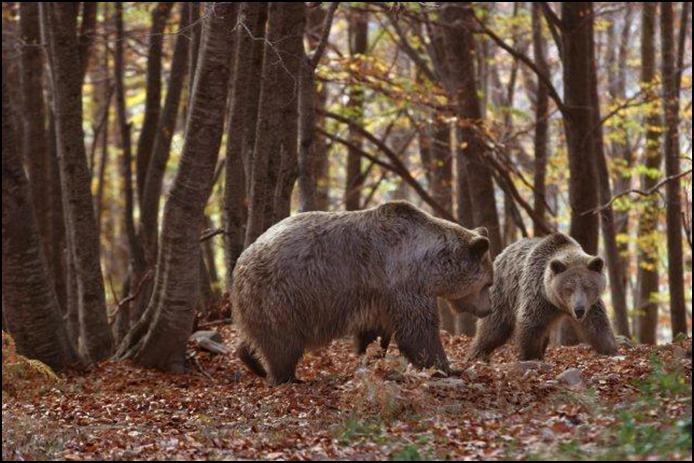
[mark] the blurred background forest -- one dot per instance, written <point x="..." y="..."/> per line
<point x="145" y="145"/>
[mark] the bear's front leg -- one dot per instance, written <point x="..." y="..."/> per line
<point x="416" y="324"/>
<point x="532" y="330"/>
<point x="595" y="328"/>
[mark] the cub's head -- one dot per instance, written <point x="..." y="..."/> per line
<point x="472" y="276"/>
<point x="574" y="283"/>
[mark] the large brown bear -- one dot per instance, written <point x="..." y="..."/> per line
<point x="537" y="283"/>
<point x="318" y="276"/>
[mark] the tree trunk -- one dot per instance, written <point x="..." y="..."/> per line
<point x="670" y="79"/>
<point x="614" y="263"/>
<point x="166" y="127"/>
<point x="273" y="170"/>
<point x="622" y="158"/>
<point x="83" y="242"/>
<point x="87" y="35"/>
<point x="160" y="15"/>
<point x="35" y="146"/>
<point x="311" y="147"/>
<point x="577" y="53"/>
<point x="292" y="49"/>
<point x="541" y="136"/>
<point x="159" y="338"/>
<point x="646" y="304"/>
<point x="577" y="56"/>
<point x="136" y="256"/>
<point x="460" y="46"/>
<point x="30" y="306"/>
<point x="358" y="46"/>
<point x="241" y="131"/>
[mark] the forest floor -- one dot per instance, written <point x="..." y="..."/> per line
<point x="636" y="405"/>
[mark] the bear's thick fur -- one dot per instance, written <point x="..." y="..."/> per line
<point x="317" y="276"/>
<point x="538" y="282"/>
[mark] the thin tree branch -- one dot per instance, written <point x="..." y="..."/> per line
<point x="648" y="192"/>
<point x="327" y="25"/>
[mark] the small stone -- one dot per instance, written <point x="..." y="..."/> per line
<point x="212" y="335"/>
<point x="571" y="377"/>
<point x="679" y="353"/>
<point x="623" y="341"/>
<point x="548" y="435"/>
<point x="523" y="367"/>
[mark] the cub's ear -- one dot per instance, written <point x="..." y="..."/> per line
<point x="481" y="231"/>
<point x="596" y="264"/>
<point x="478" y="246"/>
<point x="557" y="266"/>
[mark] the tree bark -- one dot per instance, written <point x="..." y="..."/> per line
<point x="358" y="46"/>
<point x="646" y="304"/>
<point x="273" y="170"/>
<point x="160" y="15"/>
<point x="136" y="255"/>
<point x="577" y="57"/>
<point x="541" y="136"/>
<point x="291" y="52"/>
<point x="577" y="54"/>
<point x="607" y="222"/>
<point x="83" y="242"/>
<point x="460" y="46"/>
<point x="35" y="143"/>
<point x="241" y="131"/>
<point x="166" y="127"/>
<point x="159" y="338"/>
<point x="311" y="149"/>
<point x="30" y="306"/>
<point x="673" y="210"/>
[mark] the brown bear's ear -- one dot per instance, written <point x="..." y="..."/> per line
<point x="478" y="246"/>
<point x="482" y="231"/>
<point x="596" y="264"/>
<point x="557" y="266"/>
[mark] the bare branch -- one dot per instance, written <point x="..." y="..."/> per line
<point x="327" y="25"/>
<point x="648" y="192"/>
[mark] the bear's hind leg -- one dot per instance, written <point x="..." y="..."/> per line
<point x="247" y="356"/>
<point x="363" y="339"/>
<point x="492" y="332"/>
<point x="281" y="361"/>
<point x="385" y="342"/>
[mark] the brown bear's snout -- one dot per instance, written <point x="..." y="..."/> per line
<point x="580" y="312"/>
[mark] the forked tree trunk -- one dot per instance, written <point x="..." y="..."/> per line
<point x="159" y="338"/>
<point x="136" y="254"/>
<point x="145" y="143"/>
<point x="29" y="303"/>
<point x="166" y="127"/>
<point x="83" y="240"/>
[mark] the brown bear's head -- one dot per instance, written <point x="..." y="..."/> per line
<point x="473" y="277"/>
<point x="573" y="283"/>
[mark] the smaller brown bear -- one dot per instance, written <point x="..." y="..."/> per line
<point x="537" y="283"/>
